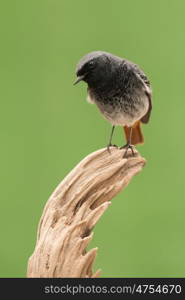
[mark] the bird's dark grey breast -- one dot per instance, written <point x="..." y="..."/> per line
<point x="124" y="96"/>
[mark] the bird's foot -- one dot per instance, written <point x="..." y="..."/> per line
<point x="126" y="147"/>
<point x="110" y="145"/>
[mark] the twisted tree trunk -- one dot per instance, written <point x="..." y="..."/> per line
<point x="65" y="228"/>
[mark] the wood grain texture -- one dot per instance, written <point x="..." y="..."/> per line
<point x="65" y="228"/>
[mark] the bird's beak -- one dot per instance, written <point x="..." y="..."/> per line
<point x="79" y="78"/>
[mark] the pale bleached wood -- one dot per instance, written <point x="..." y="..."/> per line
<point x="65" y="228"/>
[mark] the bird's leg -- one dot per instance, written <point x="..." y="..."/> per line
<point x="128" y="144"/>
<point x="110" y="140"/>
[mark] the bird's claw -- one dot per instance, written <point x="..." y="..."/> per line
<point x="126" y="147"/>
<point x="110" y="145"/>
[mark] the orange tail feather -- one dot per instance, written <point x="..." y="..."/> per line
<point x="137" y="136"/>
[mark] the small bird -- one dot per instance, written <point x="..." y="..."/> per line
<point x="121" y="91"/>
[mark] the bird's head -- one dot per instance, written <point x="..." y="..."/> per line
<point x="96" y="68"/>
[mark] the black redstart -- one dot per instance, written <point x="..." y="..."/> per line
<point x="121" y="91"/>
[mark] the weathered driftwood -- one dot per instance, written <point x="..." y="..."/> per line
<point x="65" y="228"/>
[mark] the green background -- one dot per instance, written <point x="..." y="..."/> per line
<point x="47" y="127"/>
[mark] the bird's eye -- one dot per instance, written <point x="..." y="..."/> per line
<point x="91" y="63"/>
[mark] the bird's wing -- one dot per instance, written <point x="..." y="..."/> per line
<point x="145" y="119"/>
<point x="148" y="92"/>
